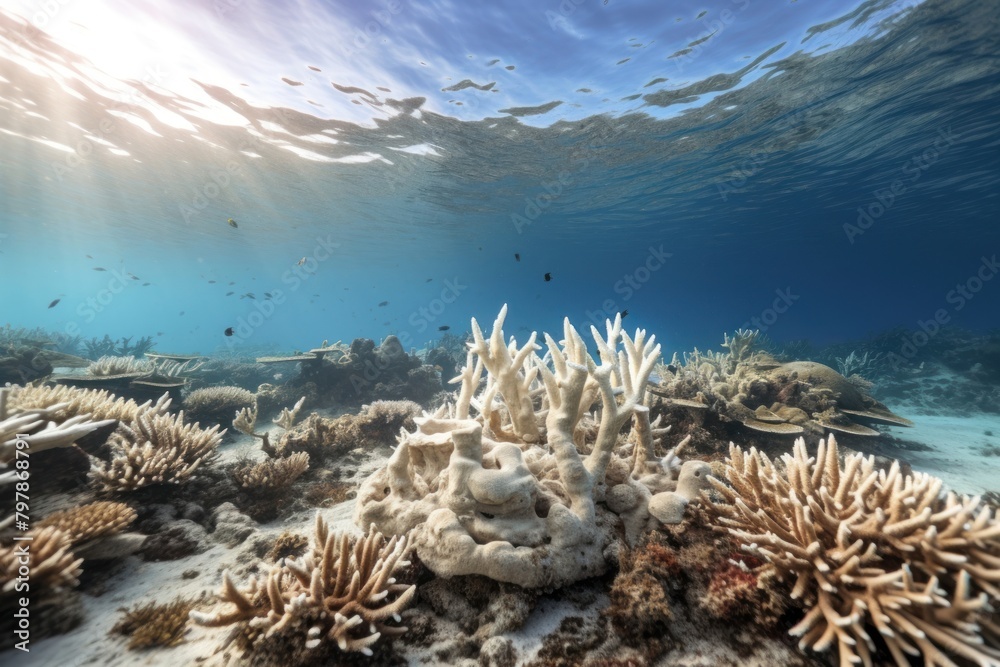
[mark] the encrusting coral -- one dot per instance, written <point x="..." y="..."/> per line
<point x="86" y="522"/>
<point x="155" y="449"/>
<point x="514" y="493"/>
<point x="271" y="475"/>
<point x="867" y="549"/>
<point x="342" y="592"/>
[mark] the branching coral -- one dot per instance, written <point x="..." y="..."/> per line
<point x="271" y="474"/>
<point x="86" y="522"/>
<point x="376" y="424"/>
<point x="52" y="566"/>
<point x="65" y="402"/>
<point x="217" y="404"/>
<point x="108" y="366"/>
<point x="154" y="624"/>
<point x="513" y="494"/>
<point x="46" y="428"/>
<point x="155" y="449"/>
<point x="343" y="591"/>
<point x="871" y="549"/>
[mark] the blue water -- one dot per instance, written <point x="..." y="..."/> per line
<point x="817" y="170"/>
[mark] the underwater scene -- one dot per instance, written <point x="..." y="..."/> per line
<point x="610" y="333"/>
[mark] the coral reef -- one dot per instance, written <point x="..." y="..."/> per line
<point x="870" y="552"/>
<point x="342" y="593"/>
<point x="106" y="366"/>
<point x="86" y="522"/>
<point x="154" y="624"/>
<point x="366" y="373"/>
<point x="155" y="449"/>
<point x="53" y="566"/>
<point x="271" y="398"/>
<point x="377" y="424"/>
<point x="271" y="475"/>
<point x="217" y="405"/>
<point x="514" y="494"/>
<point x="68" y="402"/>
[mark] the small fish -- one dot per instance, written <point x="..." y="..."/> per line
<point x="229" y="331"/>
<point x="301" y="262"/>
<point x="230" y="293"/>
<point x="159" y="333"/>
<point x="182" y="312"/>
<point x="232" y="223"/>
<point x="548" y="277"/>
<point x="267" y="295"/>
<point x="132" y="276"/>
<point x="249" y="295"/>
<point x="211" y="282"/>
<point x="232" y="282"/>
<point x="428" y="280"/>
<point x="99" y="268"/>
<point x="443" y="327"/>
<point x="88" y="257"/>
<point x="146" y="284"/>
<point x="624" y="313"/>
<point x="54" y="302"/>
<point x="517" y="256"/>
<point x="386" y="323"/>
<point x="384" y="303"/>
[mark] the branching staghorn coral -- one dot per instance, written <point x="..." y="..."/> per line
<point x="271" y="475"/>
<point x="869" y="549"/>
<point x="342" y="591"/>
<point x="155" y="449"/>
<point x="65" y="402"/>
<point x="286" y="419"/>
<point x="52" y="566"/>
<point x="46" y="428"/>
<point x="217" y="404"/>
<point x="513" y="494"/>
<point x="86" y="522"/>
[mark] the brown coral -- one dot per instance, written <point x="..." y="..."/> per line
<point x="870" y="549"/>
<point x="271" y="475"/>
<point x="342" y="592"/>
<point x="86" y="522"/>
<point x="154" y="624"/>
<point x="377" y="424"/>
<point x="51" y="565"/>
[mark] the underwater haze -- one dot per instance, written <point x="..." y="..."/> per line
<point x="695" y="167"/>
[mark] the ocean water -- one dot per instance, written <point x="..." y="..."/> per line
<point x="243" y="178"/>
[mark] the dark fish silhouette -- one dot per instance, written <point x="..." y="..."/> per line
<point x="231" y="282"/>
<point x="384" y="303"/>
<point x="624" y="313"/>
<point x="146" y="284"/>
<point x="267" y="295"/>
<point x="517" y="256"/>
<point x="249" y="295"/>
<point x="182" y="312"/>
<point x="229" y="331"/>
<point x="211" y="282"/>
<point x="88" y="257"/>
<point x="99" y="268"/>
<point x="443" y="327"/>
<point x="232" y="223"/>
<point x="230" y="293"/>
<point x="54" y="302"/>
<point x="548" y="277"/>
<point x="428" y="280"/>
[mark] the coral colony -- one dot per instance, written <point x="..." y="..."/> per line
<point x="370" y="509"/>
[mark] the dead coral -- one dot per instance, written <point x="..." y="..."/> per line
<point x="342" y="593"/>
<point x="270" y="475"/>
<point x="86" y="522"/>
<point x="155" y="449"/>
<point x="154" y="624"/>
<point x="377" y="424"/>
<point x="288" y="544"/>
<point x="52" y="565"/>
<point x="217" y="405"/>
<point x="109" y="366"/>
<point x="69" y="402"/>
<point x="870" y="550"/>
